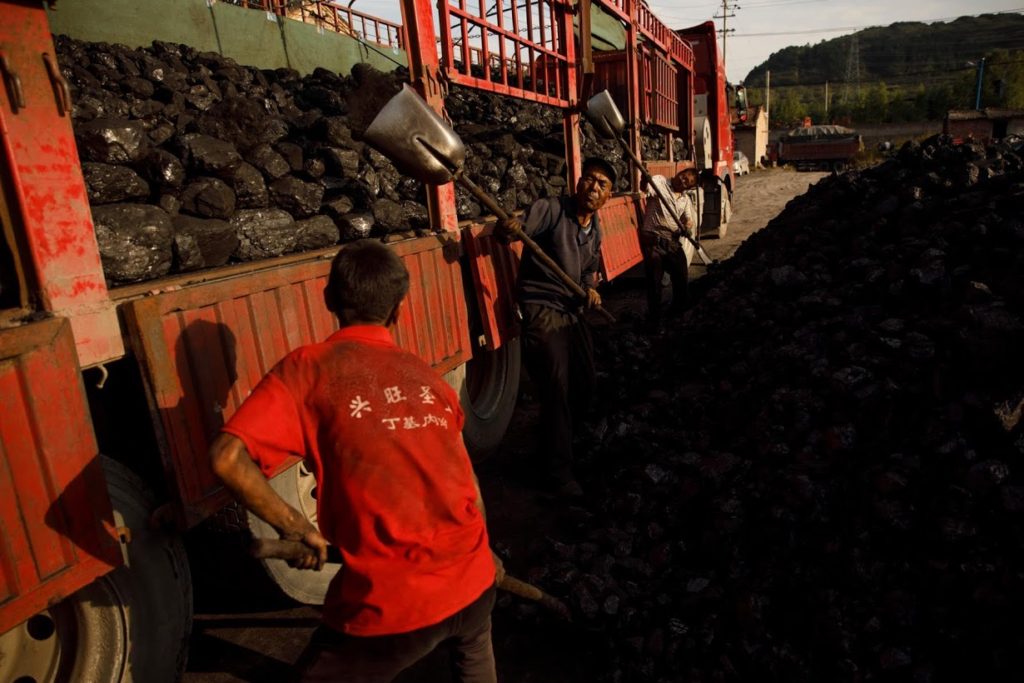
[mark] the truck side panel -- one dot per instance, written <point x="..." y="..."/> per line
<point x="494" y="268"/>
<point x="204" y="348"/>
<point x="620" y="244"/>
<point x="46" y="189"/>
<point x="56" y="524"/>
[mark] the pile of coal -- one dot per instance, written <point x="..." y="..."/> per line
<point x="198" y="138"/>
<point x="816" y="474"/>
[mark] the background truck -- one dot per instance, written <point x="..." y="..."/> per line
<point x="823" y="147"/>
<point x="94" y="579"/>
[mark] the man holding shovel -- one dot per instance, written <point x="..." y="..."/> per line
<point x="663" y="247"/>
<point x="557" y="346"/>
<point x="396" y="493"/>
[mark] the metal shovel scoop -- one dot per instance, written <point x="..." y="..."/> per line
<point x="423" y="146"/>
<point x="607" y="120"/>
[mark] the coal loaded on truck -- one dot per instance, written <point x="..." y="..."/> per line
<point x="817" y="147"/>
<point x="176" y="180"/>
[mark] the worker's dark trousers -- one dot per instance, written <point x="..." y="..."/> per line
<point x="663" y="255"/>
<point x="333" y="657"/>
<point x="559" y="355"/>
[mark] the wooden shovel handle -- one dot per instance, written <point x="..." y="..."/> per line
<point x="495" y="208"/>
<point x="280" y="549"/>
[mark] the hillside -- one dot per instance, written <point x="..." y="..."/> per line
<point x="908" y="71"/>
<point x="896" y="54"/>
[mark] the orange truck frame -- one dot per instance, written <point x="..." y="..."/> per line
<point x="94" y="580"/>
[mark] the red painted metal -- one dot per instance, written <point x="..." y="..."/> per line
<point x="44" y="180"/>
<point x="56" y="525"/>
<point x="424" y="74"/>
<point x="495" y="267"/>
<point x="661" y="90"/>
<point x="519" y="48"/>
<point x="710" y="80"/>
<point x="204" y="348"/>
<point x="620" y="246"/>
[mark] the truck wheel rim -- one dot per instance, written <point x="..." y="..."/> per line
<point x="32" y="650"/>
<point x="305" y="485"/>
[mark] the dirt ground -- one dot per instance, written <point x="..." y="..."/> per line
<point x="243" y="631"/>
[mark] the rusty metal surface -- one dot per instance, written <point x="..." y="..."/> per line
<point x="495" y="267"/>
<point x="42" y="174"/>
<point x="56" y="524"/>
<point x="202" y="349"/>
<point x="620" y="246"/>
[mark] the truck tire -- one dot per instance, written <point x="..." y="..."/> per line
<point x="297" y="486"/>
<point x="726" y="211"/>
<point x="488" y="387"/>
<point x="132" y="624"/>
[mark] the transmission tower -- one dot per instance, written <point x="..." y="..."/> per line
<point x="727" y="13"/>
<point x="852" y="72"/>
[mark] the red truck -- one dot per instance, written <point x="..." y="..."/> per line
<point x="94" y="579"/>
<point x="824" y="147"/>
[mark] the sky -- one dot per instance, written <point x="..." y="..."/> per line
<point x="763" y="27"/>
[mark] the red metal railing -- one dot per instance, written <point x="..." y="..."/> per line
<point x="513" y="47"/>
<point x="334" y="16"/>
<point x="661" y="90"/>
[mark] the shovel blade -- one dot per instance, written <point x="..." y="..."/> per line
<point x="418" y="141"/>
<point x="604" y="115"/>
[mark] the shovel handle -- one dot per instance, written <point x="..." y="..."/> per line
<point x="280" y="549"/>
<point x="495" y="208"/>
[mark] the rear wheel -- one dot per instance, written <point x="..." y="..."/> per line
<point x="131" y="625"/>
<point x="297" y="486"/>
<point x="488" y="387"/>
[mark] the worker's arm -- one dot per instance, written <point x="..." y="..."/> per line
<point x="233" y="465"/>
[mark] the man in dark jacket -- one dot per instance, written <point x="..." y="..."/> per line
<point x="557" y="346"/>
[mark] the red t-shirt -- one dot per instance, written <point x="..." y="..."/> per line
<point x="381" y="431"/>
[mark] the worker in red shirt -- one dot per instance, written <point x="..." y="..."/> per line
<point x="381" y="430"/>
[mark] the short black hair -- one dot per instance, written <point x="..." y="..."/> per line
<point x="367" y="281"/>
<point x="600" y="163"/>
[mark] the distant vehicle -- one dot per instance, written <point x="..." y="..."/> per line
<point x="824" y="147"/>
<point x="740" y="163"/>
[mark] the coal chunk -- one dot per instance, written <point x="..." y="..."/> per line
<point x="315" y="233"/>
<point x="112" y="140"/>
<point x="202" y="243"/>
<point x="208" y="197"/>
<point x="107" y="184"/>
<point x="355" y="226"/>
<point x="206" y="155"/>
<point x="297" y="197"/>
<point x="250" y="189"/>
<point x="263" y="233"/>
<point x="134" y="241"/>
<point x="163" y="169"/>
<point x="268" y="161"/>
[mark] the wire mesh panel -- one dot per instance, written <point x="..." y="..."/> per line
<point x="514" y="47"/>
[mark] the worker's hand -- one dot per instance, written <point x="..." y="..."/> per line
<point x="507" y="230"/>
<point x="317" y="544"/>
<point x="593" y="298"/>
<point x="499" y="568"/>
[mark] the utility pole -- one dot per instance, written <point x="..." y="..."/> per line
<point x="981" y="74"/>
<point x="768" y="94"/>
<point x="725" y="16"/>
<point x="826" y="102"/>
